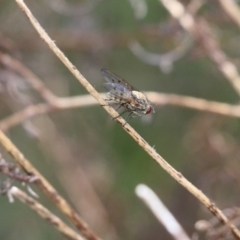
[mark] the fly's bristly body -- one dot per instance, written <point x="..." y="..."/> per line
<point x="122" y="94"/>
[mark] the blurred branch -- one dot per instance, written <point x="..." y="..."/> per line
<point x="21" y="116"/>
<point x="195" y="103"/>
<point x="161" y="99"/>
<point x="99" y="40"/>
<point x="232" y="9"/>
<point x="65" y="8"/>
<point x="7" y="45"/>
<point x="201" y="32"/>
<point x="30" y="77"/>
<point x="160" y="211"/>
<point x="194" y="5"/>
<point x="164" y="61"/>
<point x="69" y="172"/>
<point x="140" y="8"/>
<point x="41" y="108"/>
<point x="213" y="230"/>
<point x="46" y="187"/>
<point x="151" y="151"/>
<point x="12" y="171"/>
<point x="44" y="213"/>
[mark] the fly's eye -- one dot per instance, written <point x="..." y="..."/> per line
<point x="149" y="110"/>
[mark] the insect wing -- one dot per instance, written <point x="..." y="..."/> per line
<point x="113" y="78"/>
<point x="119" y="91"/>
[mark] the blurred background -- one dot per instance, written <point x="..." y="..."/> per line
<point x="87" y="156"/>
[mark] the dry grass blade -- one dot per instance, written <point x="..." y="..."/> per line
<point x="161" y="99"/>
<point x="46" y="187"/>
<point x="45" y="213"/>
<point x="201" y="32"/>
<point x="55" y="103"/>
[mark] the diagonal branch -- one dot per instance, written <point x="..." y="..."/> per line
<point x="44" y="213"/>
<point x="151" y="151"/>
<point x="200" y="31"/>
<point x="232" y="9"/>
<point x="46" y="187"/>
<point x="30" y="77"/>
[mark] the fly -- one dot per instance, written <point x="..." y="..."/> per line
<point x="122" y="94"/>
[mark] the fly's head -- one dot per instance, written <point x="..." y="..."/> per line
<point x="141" y="103"/>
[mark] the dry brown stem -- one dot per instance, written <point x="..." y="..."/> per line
<point x="12" y="171"/>
<point x="69" y="172"/>
<point x="232" y="9"/>
<point x="161" y="99"/>
<point x="46" y="187"/>
<point x="29" y="76"/>
<point x="201" y="32"/>
<point x="151" y="151"/>
<point x="44" y="213"/>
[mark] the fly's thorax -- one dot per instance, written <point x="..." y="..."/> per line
<point x="140" y="98"/>
<point x="139" y="95"/>
<point x="143" y="104"/>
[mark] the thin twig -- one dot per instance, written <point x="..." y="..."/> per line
<point x="164" y="61"/>
<point x="151" y="151"/>
<point x="200" y="31"/>
<point x="161" y="99"/>
<point x="13" y="171"/>
<point x="160" y="211"/>
<point x="47" y="188"/>
<point x="70" y="172"/>
<point x="194" y="6"/>
<point x="29" y="76"/>
<point x="26" y="113"/>
<point x="232" y="9"/>
<point x="44" y="213"/>
<point x="195" y="103"/>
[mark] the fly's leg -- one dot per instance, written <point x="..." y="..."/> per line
<point x="104" y="105"/>
<point x="129" y="116"/>
<point x="121" y="105"/>
<point x="119" y="115"/>
<point x="118" y="107"/>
